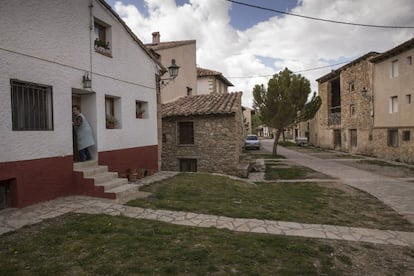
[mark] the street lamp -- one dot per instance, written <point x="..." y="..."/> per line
<point x="172" y="71"/>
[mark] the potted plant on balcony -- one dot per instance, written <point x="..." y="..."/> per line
<point x="110" y="121"/>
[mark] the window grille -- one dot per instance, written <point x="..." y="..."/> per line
<point x="32" y="106"/>
<point x="185" y="133"/>
<point x="393" y="138"/>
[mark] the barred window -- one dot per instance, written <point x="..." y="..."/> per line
<point x="185" y="133"/>
<point x="393" y="137"/>
<point x="32" y="106"/>
<point x="406" y="135"/>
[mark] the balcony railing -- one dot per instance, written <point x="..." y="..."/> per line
<point x="334" y="117"/>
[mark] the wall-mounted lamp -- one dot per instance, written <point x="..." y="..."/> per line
<point x="87" y="82"/>
<point x="172" y="71"/>
<point x="364" y="93"/>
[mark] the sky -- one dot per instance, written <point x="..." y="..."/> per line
<point x="250" y="45"/>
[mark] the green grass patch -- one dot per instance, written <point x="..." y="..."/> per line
<point x="295" y="172"/>
<point x="80" y="244"/>
<point x="287" y="144"/>
<point x="300" y="202"/>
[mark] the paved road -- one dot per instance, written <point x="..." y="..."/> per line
<point x="396" y="193"/>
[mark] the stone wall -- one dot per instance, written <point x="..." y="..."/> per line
<point x="217" y="143"/>
<point x="353" y="79"/>
<point x="403" y="153"/>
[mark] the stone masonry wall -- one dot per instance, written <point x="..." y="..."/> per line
<point x="216" y="143"/>
<point x="403" y="153"/>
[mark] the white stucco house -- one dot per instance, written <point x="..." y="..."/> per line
<point x="47" y="49"/>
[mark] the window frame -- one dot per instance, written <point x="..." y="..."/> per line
<point x="392" y="138"/>
<point x="406" y="135"/>
<point x="394" y="68"/>
<point x="185" y="133"/>
<point x="393" y="104"/>
<point x="41" y="118"/>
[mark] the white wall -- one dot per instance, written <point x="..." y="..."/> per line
<point x="204" y="85"/>
<point x="47" y="42"/>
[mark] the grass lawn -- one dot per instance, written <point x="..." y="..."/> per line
<point x="272" y="172"/>
<point x="300" y="202"/>
<point x="79" y="244"/>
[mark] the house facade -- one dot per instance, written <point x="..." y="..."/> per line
<point x="48" y="52"/>
<point x="184" y="54"/>
<point x="345" y="118"/>
<point x="203" y="133"/>
<point x="211" y="82"/>
<point x="393" y="134"/>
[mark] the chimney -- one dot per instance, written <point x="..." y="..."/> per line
<point x="155" y="37"/>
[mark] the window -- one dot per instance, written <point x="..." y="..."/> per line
<point x="141" y="109"/>
<point x="392" y="138"/>
<point x="102" y="37"/>
<point x="406" y="135"/>
<point x="352" y="110"/>
<point x="351" y="87"/>
<point x="394" y="68"/>
<point x="354" y="137"/>
<point x="189" y="91"/>
<point x="31" y="105"/>
<point x="408" y="98"/>
<point x="409" y="60"/>
<point x="393" y="104"/>
<point x="185" y="133"/>
<point x="112" y="112"/>
<point x="188" y="165"/>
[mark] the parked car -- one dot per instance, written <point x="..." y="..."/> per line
<point x="251" y="142"/>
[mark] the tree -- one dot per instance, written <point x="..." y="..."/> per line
<point x="285" y="102"/>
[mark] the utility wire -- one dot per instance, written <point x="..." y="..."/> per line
<point x="321" y="19"/>
<point x="305" y="70"/>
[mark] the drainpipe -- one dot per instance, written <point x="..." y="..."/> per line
<point x="90" y="39"/>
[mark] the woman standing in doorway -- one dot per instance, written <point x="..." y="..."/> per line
<point x="83" y="134"/>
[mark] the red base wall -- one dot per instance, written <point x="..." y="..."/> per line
<point x="132" y="158"/>
<point x="38" y="180"/>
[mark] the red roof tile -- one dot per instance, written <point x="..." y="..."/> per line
<point x="202" y="72"/>
<point x="210" y="104"/>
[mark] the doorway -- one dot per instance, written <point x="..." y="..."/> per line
<point x="337" y="138"/>
<point x="86" y="100"/>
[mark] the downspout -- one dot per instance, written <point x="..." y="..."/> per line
<point x="90" y="39"/>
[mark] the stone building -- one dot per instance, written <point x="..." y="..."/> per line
<point x="345" y="118"/>
<point x="393" y="134"/>
<point x="203" y="133"/>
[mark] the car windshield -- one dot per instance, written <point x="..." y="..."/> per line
<point x="251" y="138"/>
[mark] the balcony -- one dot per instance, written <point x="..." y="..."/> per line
<point x="334" y="116"/>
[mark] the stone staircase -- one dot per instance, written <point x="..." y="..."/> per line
<point x="106" y="184"/>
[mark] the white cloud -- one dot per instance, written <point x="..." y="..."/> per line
<point x="294" y="42"/>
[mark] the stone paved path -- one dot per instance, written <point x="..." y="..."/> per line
<point x="13" y="219"/>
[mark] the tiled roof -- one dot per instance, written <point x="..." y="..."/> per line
<point x="210" y="104"/>
<point x="336" y="72"/>
<point x="202" y="72"/>
<point x="409" y="44"/>
<point x="168" y="45"/>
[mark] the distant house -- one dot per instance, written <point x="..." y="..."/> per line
<point x="203" y="133"/>
<point x="49" y="51"/>
<point x="211" y="82"/>
<point x="393" y="134"/>
<point x="367" y="106"/>
<point x="184" y="54"/>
